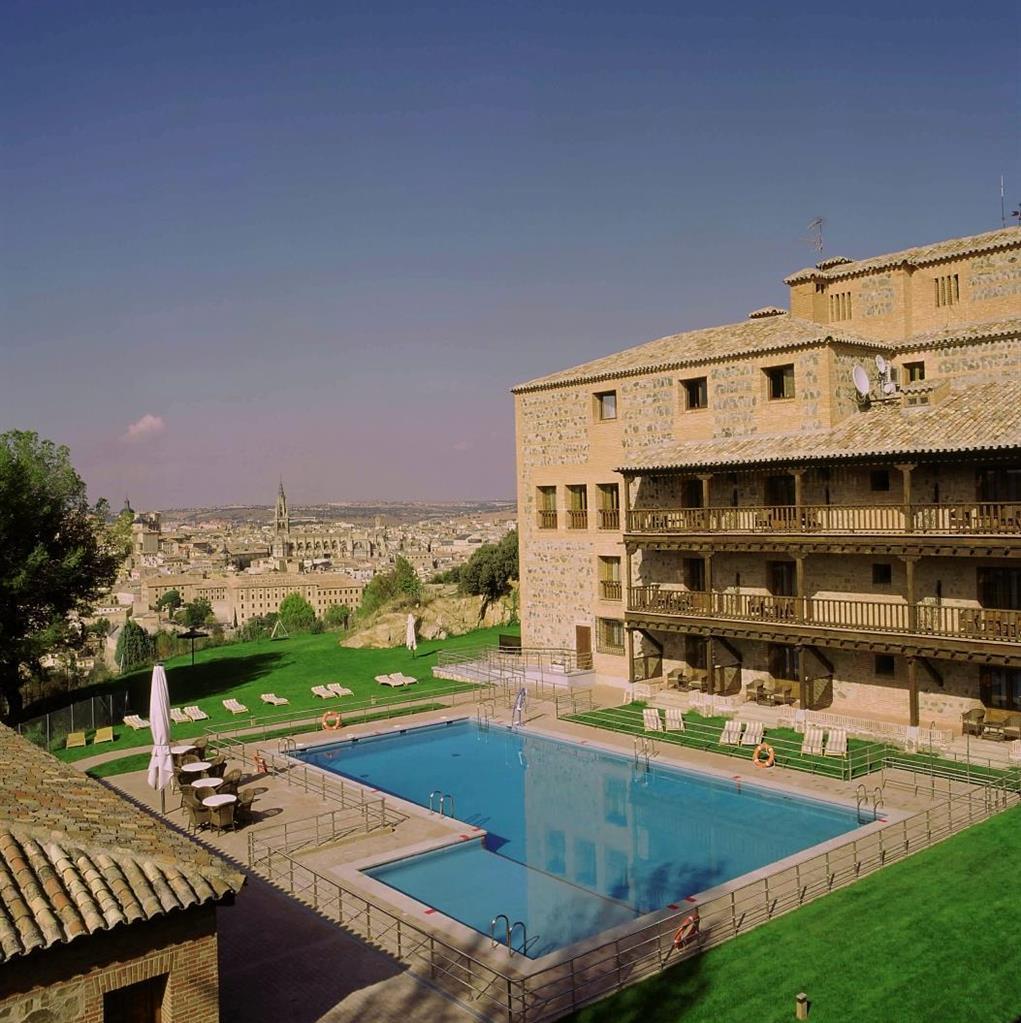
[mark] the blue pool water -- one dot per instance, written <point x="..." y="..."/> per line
<point x="578" y="840"/>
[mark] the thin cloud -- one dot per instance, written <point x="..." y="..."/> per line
<point x="463" y="445"/>
<point x="144" y="428"/>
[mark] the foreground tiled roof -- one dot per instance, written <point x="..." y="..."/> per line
<point x="75" y="858"/>
<point x="949" y="336"/>
<point x="982" y="417"/>
<point x="754" y="336"/>
<point x="952" y="248"/>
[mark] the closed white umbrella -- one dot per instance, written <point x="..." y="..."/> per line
<point x="409" y="639"/>
<point x="161" y="764"/>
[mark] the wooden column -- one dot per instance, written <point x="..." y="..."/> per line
<point x="710" y="658"/>
<point x="803" y="607"/>
<point x="906" y="469"/>
<point x="802" y="679"/>
<point x="707" y="560"/>
<point x="913" y="689"/>
<point x="909" y="588"/>
<point x="705" y="478"/>
<point x="629" y="653"/>
<point x="626" y="505"/>
<point x="799" y="495"/>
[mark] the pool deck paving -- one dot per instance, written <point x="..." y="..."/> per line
<point x="280" y="960"/>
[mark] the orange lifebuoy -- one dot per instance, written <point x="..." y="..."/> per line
<point x="331" y="720"/>
<point x="770" y="755"/>
<point x="687" y="930"/>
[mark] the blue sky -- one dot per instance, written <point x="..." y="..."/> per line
<point x="324" y="240"/>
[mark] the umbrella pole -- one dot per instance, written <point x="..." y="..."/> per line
<point x="163" y="800"/>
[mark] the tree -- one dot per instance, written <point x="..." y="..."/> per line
<point x="56" y="553"/>
<point x="197" y="613"/>
<point x="402" y="582"/>
<point x="297" y="614"/>
<point x="491" y="568"/>
<point x="169" y="602"/>
<point x="135" y="647"/>
<point x="336" y="616"/>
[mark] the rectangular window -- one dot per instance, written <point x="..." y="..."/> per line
<point x="879" y="480"/>
<point x="783" y="662"/>
<point x="610" y="587"/>
<point x="693" y="570"/>
<point x="947" y="290"/>
<point x="885" y="665"/>
<point x="840" y="306"/>
<point x="546" y="502"/>
<point x="1000" y="687"/>
<point x="577" y="506"/>
<point x="780" y="578"/>
<point x="882" y="574"/>
<point x="609" y="636"/>
<point x="696" y="393"/>
<point x="606" y="405"/>
<point x="136" y="1003"/>
<point x="914" y="371"/>
<point x="691" y="493"/>
<point x="780" y="382"/>
<point x="609" y="506"/>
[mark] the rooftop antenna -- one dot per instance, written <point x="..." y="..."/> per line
<point x="815" y="227"/>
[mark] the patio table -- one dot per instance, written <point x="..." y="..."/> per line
<point x="179" y="751"/>
<point x="207" y="783"/>
<point x="199" y="767"/>
<point x="221" y="799"/>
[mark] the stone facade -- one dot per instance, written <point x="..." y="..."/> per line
<point x="947" y="319"/>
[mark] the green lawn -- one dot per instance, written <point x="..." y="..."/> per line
<point x="286" y="667"/>
<point x="930" y="938"/>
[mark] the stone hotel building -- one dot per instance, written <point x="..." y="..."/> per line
<point x="825" y="501"/>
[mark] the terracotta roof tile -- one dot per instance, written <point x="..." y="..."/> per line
<point x="980" y="417"/>
<point x="75" y="858"/>
<point x="920" y="255"/>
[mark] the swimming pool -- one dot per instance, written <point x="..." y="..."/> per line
<point x="578" y="839"/>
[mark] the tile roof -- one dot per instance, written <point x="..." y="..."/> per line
<point x="952" y="248"/>
<point x="762" y="334"/>
<point x="75" y="858"/>
<point x="948" y="336"/>
<point x="981" y="417"/>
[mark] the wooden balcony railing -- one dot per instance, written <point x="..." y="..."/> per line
<point x="609" y="518"/>
<point x="834" y="613"/>
<point x="547" y="519"/>
<point x="577" y="519"/>
<point x="611" y="589"/>
<point x="980" y="518"/>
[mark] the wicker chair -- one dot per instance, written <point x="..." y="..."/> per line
<point x="972" y="721"/>
<point x="244" y="806"/>
<point x="198" y="815"/>
<point x="217" y="766"/>
<point x="200" y="746"/>
<point x="231" y="781"/>
<point x="221" y="817"/>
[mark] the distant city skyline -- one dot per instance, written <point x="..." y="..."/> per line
<point x="325" y="241"/>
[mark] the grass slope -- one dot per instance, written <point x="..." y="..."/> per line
<point x="285" y="667"/>
<point x="930" y="938"/>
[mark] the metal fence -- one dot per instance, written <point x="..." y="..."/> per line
<point x="50" y="730"/>
<point x="499" y="993"/>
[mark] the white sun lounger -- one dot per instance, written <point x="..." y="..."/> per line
<point x="179" y="717"/>
<point x="234" y="707"/>
<point x="272" y="698"/>
<point x="407" y="679"/>
<point x="394" y="681"/>
<point x="196" y="714"/>
<point x="651" y="720"/>
<point x="812" y="744"/>
<point x="731" y="735"/>
<point x="674" y="719"/>
<point x="135" y="722"/>
<point x="1014" y="752"/>
<point x="338" y="690"/>
<point x="753" y="733"/>
<point x="323" y="692"/>
<point x="836" y="743"/>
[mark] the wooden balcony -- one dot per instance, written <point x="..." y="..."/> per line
<point x="974" y="519"/>
<point x="611" y="589"/>
<point x="577" y="518"/>
<point x="969" y="623"/>
<point x="546" y="519"/>
<point x="609" y="518"/>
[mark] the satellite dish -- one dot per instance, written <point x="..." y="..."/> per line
<point x="881" y="364"/>
<point x="861" y="381"/>
<point x="889" y="387"/>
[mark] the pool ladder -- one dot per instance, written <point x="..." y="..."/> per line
<point x="508" y="930"/>
<point x="863" y="800"/>
<point x="444" y="796"/>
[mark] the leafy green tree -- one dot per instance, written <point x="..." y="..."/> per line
<point x="296" y="613"/>
<point x="258" y="627"/>
<point x="452" y="575"/>
<point x="492" y="567"/>
<point x="56" y="557"/>
<point x="336" y="616"/>
<point x="169" y="602"/>
<point x="402" y="582"/>
<point x="135" y="647"/>
<point x="197" y="613"/>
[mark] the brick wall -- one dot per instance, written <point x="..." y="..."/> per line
<point x="66" y="983"/>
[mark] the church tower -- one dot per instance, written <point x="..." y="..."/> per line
<point x="281" y="529"/>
